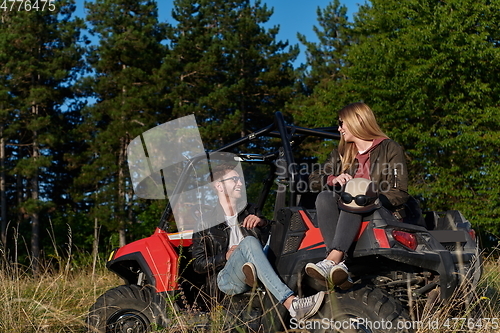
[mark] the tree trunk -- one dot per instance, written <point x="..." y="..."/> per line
<point x="3" y="201"/>
<point x="95" y="245"/>
<point x="121" y="192"/>
<point x="35" y="195"/>
<point x="35" y="229"/>
<point x="20" y="213"/>
<point x="19" y="195"/>
<point x="121" y="177"/>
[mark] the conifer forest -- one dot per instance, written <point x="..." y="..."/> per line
<point x="74" y="91"/>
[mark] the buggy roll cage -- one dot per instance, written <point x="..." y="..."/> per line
<point x="289" y="136"/>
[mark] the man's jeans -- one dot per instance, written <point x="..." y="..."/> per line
<point x="231" y="279"/>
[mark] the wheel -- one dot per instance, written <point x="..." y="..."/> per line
<point x="125" y="309"/>
<point x="362" y="309"/>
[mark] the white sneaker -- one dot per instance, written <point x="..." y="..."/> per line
<point x="303" y="308"/>
<point x="320" y="270"/>
<point x="328" y="270"/>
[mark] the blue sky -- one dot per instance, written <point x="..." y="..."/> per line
<point x="292" y="16"/>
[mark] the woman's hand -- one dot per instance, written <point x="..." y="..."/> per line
<point x="341" y="179"/>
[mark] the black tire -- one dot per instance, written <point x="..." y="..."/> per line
<point x="126" y="309"/>
<point x="363" y="309"/>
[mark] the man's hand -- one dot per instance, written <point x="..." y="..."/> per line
<point x="252" y="221"/>
<point x="230" y="251"/>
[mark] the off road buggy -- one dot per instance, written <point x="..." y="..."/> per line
<point x="399" y="268"/>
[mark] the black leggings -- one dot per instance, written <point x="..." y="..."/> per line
<point x="338" y="227"/>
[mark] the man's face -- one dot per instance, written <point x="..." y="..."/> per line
<point x="231" y="184"/>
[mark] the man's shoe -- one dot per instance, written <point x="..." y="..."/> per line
<point x="307" y="307"/>
<point x="250" y="274"/>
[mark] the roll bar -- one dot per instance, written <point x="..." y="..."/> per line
<point x="278" y="129"/>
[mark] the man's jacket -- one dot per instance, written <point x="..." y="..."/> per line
<point x="210" y="245"/>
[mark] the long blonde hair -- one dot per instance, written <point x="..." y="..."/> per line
<point x="361" y="122"/>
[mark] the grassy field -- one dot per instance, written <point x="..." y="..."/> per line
<point x="53" y="302"/>
<point x="58" y="302"/>
<point x="460" y="315"/>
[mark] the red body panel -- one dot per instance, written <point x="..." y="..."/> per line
<point x="160" y="256"/>
<point x="381" y="237"/>
<point x="313" y="234"/>
<point x="361" y="229"/>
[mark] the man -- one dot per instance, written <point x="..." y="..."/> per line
<point x="233" y="249"/>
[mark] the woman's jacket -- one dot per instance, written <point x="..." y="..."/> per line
<point x="387" y="170"/>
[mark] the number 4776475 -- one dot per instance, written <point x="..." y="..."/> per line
<point x="27" y="5"/>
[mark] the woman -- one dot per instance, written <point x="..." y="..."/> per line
<point x="364" y="151"/>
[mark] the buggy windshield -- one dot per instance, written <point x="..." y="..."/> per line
<point x="169" y="161"/>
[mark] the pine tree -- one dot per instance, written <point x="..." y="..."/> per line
<point x="40" y="59"/>
<point x="327" y="57"/>
<point x="230" y="71"/>
<point x="324" y="71"/>
<point x="128" y="100"/>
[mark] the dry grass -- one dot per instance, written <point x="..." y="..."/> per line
<point x="58" y="302"/>
<point x="469" y="310"/>
<point x="53" y="302"/>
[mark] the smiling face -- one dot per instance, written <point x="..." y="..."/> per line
<point x="230" y="185"/>
<point x="345" y="132"/>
